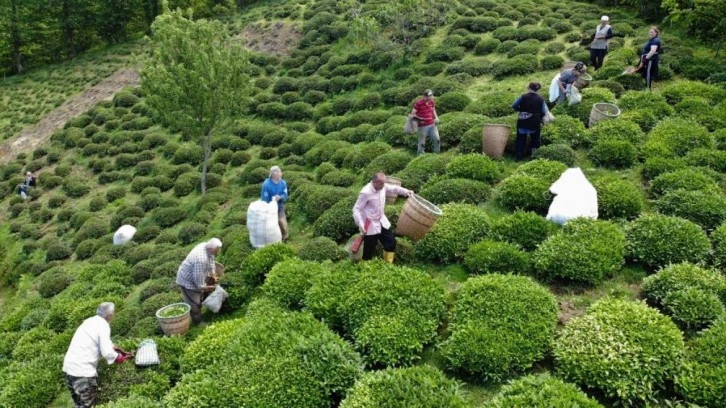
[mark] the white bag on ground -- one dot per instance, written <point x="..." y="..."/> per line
<point x="555" y="88"/>
<point x="575" y="197"/>
<point x="147" y="354"/>
<point x="262" y="223"/>
<point x="123" y="235"/>
<point x="214" y="301"/>
<point x="575" y="96"/>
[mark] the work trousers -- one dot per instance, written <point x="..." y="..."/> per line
<point x="431" y="132"/>
<point x="194" y="299"/>
<point x="650" y="72"/>
<point x="520" y="144"/>
<point x="282" y="222"/>
<point x="597" y="57"/>
<point x="387" y="239"/>
<point x="84" y="390"/>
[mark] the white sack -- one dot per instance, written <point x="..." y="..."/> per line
<point x="575" y="197"/>
<point x="262" y="223"/>
<point x="555" y="88"/>
<point x="123" y="235"/>
<point x="147" y="354"/>
<point x="214" y="301"/>
<point x="575" y="96"/>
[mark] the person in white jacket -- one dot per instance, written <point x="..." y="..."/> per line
<point x="91" y="342"/>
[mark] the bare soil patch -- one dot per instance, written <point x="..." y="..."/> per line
<point x="32" y="137"/>
<point x="277" y="39"/>
<point x="567" y="312"/>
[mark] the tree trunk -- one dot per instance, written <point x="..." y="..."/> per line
<point x="15" y="40"/>
<point x="207" y="147"/>
<point x="68" y="31"/>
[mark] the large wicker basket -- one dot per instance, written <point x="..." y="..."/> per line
<point x="176" y="324"/>
<point x="390" y="196"/>
<point x="494" y="140"/>
<point x="602" y="111"/>
<point x="583" y="81"/>
<point x="417" y="217"/>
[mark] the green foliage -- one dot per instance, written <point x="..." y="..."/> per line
<point x="621" y="129"/>
<point x="496" y="257"/>
<point x="675" y="137"/>
<point x="678" y="277"/>
<point x="337" y="223"/>
<point x="562" y="153"/>
<point x="623" y="348"/>
<point x="482" y="343"/>
<point x="57" y="251"/>
<point x="688" y="179"/>
<point x="528" y="188"/>
<point x="455" y="190"/>
<point x="288" y="280"/>
<point x="313" y="200"/>
<point x="422" y="386"/>
<point x="517" y="65"/>
<point x="19" y="390"/>
<point x="320" y="249"/>
<point x="452" y="102"/>
<point x="613" y="153"/>
<point x="53" y="281"/>
<point x="168" y="216"/>
<point x="492" y="105"/>
<point x="657" y="240"/>
<point x="261" y="261"/>
<point x="473" y="166"/>
<point x="618" y="198"/>
<point x="460" y="226"/>
<point x="693" y="309"/>
<point x="704" y="207"/>
<point x="564" y="130"/>
<point x="541" y="391"/>
<point x="701" y="379"/>
<point x="525" y="229"/>
<point x="719" y="245"/>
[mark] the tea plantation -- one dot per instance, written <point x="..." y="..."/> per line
<point x="494" y="307"/>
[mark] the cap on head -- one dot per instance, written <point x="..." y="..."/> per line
<point x="274" y="169"/>
<point x="213" y="243"/>
<point x="534" y="86"/>
<point x="428" y="92"/>
<point x="106" y="309"/>
<point x="604" y="18"/>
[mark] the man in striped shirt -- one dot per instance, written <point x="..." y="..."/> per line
<point x="192" y="273"/>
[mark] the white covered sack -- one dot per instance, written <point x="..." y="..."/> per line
<point x="555" y="88"/>
<point x="575" y="96"/>
<point x="123" y="235"/>
<point x="214" y="301"/>
<point x="575" y="197"/>
<point x="147" y="354"/>
<point x="262" y="223"/>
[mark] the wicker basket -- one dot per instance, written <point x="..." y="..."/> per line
<point x="602" y="111"/>
<point x="176" y="324"/>
<point x="494" y="140"/>
<point x="583" y="81"/>
<point x="390" y="196"/>
<point x="417" y="217"/>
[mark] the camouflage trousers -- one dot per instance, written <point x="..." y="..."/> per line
<point x="83" y="389"/>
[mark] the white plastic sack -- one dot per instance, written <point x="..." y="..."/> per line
<point x="147" y="354"/>
<point x="575" y="197"/>
<point x="575" y="96"/>
<point x="123" y="235"/>
<point x="214" y="301"/>
<point x="555" y="88"/>
<point x="262" y="223"/>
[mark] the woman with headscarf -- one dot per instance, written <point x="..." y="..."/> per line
<point x="648" y="66"/>
<point x="532" y="109"/>
<point x="562" y="83"/>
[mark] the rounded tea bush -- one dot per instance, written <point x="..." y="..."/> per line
<point x="719" y="245"/>
<point x="524" y="192"/>
<point x="564" y="130"/>
<point x="623" y="130"/>
<point x="706" y="208"/>
<point x="320" y="249"/>
<point x="557" y="152"/>
<point x="456" y="190"/>
<point x="473" y="166"/>
<point x="675" y="137"/>
<point x="685" y="179"/>
<point x="422" y="386"/>
<point x="460" y="226"/>
<point x="484" y="344"/>
<point x="288" y="280"/>
<point x="677" y="277"/>
<point x="452" y="102"/>
<point x="656" y="240"/>
<point x="525" y="229"/>
<point x="693" y="309"/>
<point x="700" y="379"/>
<point x="618" y="199"/>
<point x="623" y="348"/>
<point x="541" y="391"/>
<point x="496" y="257"/>
<point x="586" y="250"/>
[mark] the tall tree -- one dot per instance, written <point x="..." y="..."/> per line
<point x="705" y="19"/>
<point x="196" y="79"/>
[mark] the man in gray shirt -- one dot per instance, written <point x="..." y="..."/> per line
<point x="599" y="45"/>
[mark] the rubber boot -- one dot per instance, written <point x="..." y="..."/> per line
<point x="534" y="152"/>
<point x="388" y="256"/>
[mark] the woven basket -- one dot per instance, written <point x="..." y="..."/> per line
<point x="391" y="197"/>
<point x="417" y="217"/>
<point x="583" y="81"/>
<point x="494" y="140"/>
<point x="177" y="324"/>
<point x="602" y="111"/>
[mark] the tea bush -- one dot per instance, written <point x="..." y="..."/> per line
<point x="517" y="65"/>
<point x="75" y="187"/>
<point x="623" y="130"/>
<point x="677" y="277"/>
<point x="719" y="245"/>
<point x="704" y="207"/>
<point x="475" y="167"/>
<point x="256" y="266"/>
<point x="564" y="130"/>
<point x="455" y="190"/>
<point x="482" y="343"/>
<point x="423" y="386"/>
<point x="496" y="257"/>
<point x="320" y="249"/>
<point x="688" y="179"/>
<point x="562" y="153"/>
<point x="693" y="309"/>
<point x="460" y="226"/>
<point x="618" y="198"/>
<point x="313" y="200"/>
<point x="675" y="137"/>
<point x="525" y="229"/>
<point x="528" y="188"/>
<point x="656" y="240"/>
<point x="168" y="216"/>
<point x="452" y="102"/>
<point x="388" y="163"/>
<point x="53" y="281"/>
<point x="612" y="153"/>
<point x="337" y="223"/>
<point x="623" y="348"/>
<point x="701" y="379"/>
<point x="541" y="391"/>
<point x="492" y="105"/>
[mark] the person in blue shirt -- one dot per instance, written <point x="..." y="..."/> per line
<point x="532" y="109"/>
<point x="275" y="188"/>
<point x="648" y="67"/>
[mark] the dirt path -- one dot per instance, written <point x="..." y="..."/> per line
<point x="32" y="137"/>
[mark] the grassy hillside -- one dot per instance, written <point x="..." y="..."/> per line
<point x="493" y="294"/>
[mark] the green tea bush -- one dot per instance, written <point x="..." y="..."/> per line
<point x="320" y="249"/>
<point x="693" y="309"/>
<point x="452" y="102"/>
<point x="492" y="105"/>
<point x="623" y="348"/>
<point x="623" y="130"/>
<point x="676" y="92"/>
<point x="53" y="281"/>
<point x="191" y="233"/>
<point x="562" y="153"/>
<point x="518" y="65"/>
<point x="313" y="200"/>
<point x="541" y="391"/>
<point x="719" y="245"/>
<point x="256" y="266"/>
<point x="57" y="252"/>
<point x="618" y="199"/>
<point x="454" y="124"/>
<point x="675" y="137"/>
<point x="487" y="46"/>
<point x="30" y="383"/>
<point x="564" y="130"/>
<point x="336" y="222"/>
<point x="700" y="379"/>
<point x="75" y="187"/>
<point x="585" y="251"/>
<point x="496" y="257"/>
<point x="677" y="277"/>
<point x="460" y="226"/>
<point x="655" y="166"/>
<point x="483" y="344"/>
<point x="525" y="192"/>
<point x="525" y="229"/>
<point x="656" y="240"/>
<point x="613" y="153"/>
<point x="422" y="386"/>
<point x="688" y="179"/>
<point x="288" y="280"/>
<point x="455" y="190"/>
<point x="389" y="163"/>
<point x="168" y="216"/>
<point x="706" y="208"/>
<point x="549" y="62"/>
<point x="475" y="167"/>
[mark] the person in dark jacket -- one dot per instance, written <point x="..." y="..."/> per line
<point x="648" y="67"/>
<point x="599" y="45"/>
<point x="532" y="109"/>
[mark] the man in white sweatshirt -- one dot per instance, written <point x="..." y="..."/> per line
<point x="90" y="343"/>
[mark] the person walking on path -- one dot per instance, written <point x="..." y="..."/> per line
<point x="369" y="216"/>
<point x="275" y="188"/>
<point x="425" y="111"/>
<point x="562" y="83"/>
<point x="532" y="109"/>
<point x="648" y="66"/>
<point x="599" y="45"/>
<point x="90" y="343"/>
<point x="192" y="274"/>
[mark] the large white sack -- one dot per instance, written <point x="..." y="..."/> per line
<point x="575" y="197"/>
<point x="123" y="235"/>
<point x="555" y="88"/>
<point x="262" y="223"/>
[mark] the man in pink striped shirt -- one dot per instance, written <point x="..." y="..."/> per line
<point x="371" y="220"/>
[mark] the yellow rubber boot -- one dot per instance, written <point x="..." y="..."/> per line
<point x="388" y="256"/>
